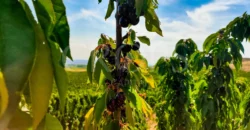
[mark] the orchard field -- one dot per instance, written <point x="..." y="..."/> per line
<point x="205" y="88"/>
<point x="82" y="97"/>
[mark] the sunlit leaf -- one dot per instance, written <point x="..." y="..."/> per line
<point x="149" y="79"/>
<point x="141" y="63"/>
<point x="129" y="114"/>
<point x="3" y="95"/>
<point x="146" y="108"/>
<point x="48" y="21"/>
<point x="89" y="119"/>
<point x="41" y="79"/>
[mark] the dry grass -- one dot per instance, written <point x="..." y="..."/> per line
<point x="75" y="69"/>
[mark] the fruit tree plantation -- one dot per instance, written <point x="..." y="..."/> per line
<point x="201" y="86"/>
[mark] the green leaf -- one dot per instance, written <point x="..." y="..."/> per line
<point x="144" y="39"/>
<point x="90" y="66"/>
<point x="20" y="121"/>
<point x="161" y="66"/>
<point x="111" y="8"/>
<point x="131" y="38"/>
<point x="100" y="106"/>
<point x="99" y="1"/>
<point x="17" y="47"/>
<point x="102" y="79"/>
<point x="105" y="69"/>
<point x="137" y="101"/>
<point x="132" y="34"/>
<point x="52" y="123"/>
<point x="240" y="45"/>
<point x="210" y="40"/>
<point x="149" y="79"/>
<point x="129" y="114"/>
<point x="134" y="98"/>
<point x="46" y="16"/>
<point x="97" y="71"/>
<point x="146" y="109"/>
<point x="60" y="74"/>
<point x="112" y="125"/>
<point x="138" y="6"/>
<point x="61" y="29"/>
<point x="152" y="21"/>
<point x="41" y="80"/>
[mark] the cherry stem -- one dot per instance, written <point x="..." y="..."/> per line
<point x="118" y="37"/>
<point x="118" y="49"/>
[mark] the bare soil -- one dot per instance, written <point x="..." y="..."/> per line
<point x="152" y="122"/>
<point x="245" y="65"/>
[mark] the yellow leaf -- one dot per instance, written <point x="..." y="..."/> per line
<point x="141" y="63"/>
<point x="129" y="114"/>
<point x="3" y="95"/>
<point x="146" y="108"/>
<point x="149" y="79"/>
<point x="41" y="79"/>
<point x="20" y="121"/>
<point x="89" y="119"/>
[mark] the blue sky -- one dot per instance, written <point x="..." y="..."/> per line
<point x="180" y="19"/>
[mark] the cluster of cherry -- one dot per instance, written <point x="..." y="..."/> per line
<point x="116" y="102"/>
<point x="119" y="75"/>
<point x="126" y="48"/>
<point x="127" y="13"/>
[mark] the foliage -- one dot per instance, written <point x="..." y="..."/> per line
<point x="118" y="67"/>
<point x="193" y="89"/>
<point x="35" y="47"/>
<point x="217" y="95"/>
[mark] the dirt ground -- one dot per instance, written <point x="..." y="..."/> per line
<point x="245" y="65"/>
<point x="152" y="123"/>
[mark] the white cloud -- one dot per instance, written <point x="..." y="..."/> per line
<point x="204" y="15"/>
<point x="91" y="15"/>
<point x="199" y="23"/>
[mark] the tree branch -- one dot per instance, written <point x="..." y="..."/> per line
<point x="118" y="38"/>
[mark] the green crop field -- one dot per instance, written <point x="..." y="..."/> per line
<point x="82" y="96"/>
